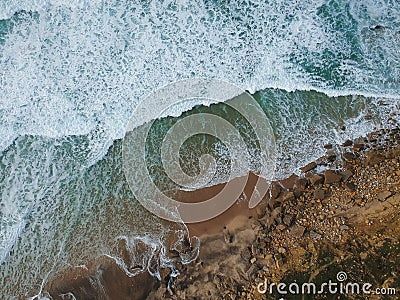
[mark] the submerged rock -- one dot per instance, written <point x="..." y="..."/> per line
<point x="348" y="156"/>
<point x="347" y="143"/>
<point x="309" y="167"/>
<point x="358" y="147"/>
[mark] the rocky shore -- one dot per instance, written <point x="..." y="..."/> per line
<point x="340" y="215"/>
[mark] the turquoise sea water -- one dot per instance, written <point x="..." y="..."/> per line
<point x="72" y="74"/>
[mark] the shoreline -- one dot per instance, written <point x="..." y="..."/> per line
<point x="245" y="243"/>
<point x="311" y="223"/>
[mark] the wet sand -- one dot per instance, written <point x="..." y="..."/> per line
<point x="101" y="279"/>
<point x="216" y="225"/>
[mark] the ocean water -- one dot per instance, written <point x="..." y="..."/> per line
<point x="73" y="72"/>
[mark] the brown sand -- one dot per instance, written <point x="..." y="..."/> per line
<point x="218" y="224"/>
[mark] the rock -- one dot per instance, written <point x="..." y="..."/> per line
<point x="373" y="136"/>
<point x="288" y="219"/>
<point x="394" y="153"/>
<point x="246" y="254"/>
<point x="300" y="186"/>
<point x="359" y="202"/>
<point x="279" y="260"/>
<point x="252" y="272"/>
<point x="228" y="237"/>
<point x="360" y="140"/>
<point x="288" y="183"/>
<point x="281" y="227"/>
<point x="301" y="183"/>
<point x="330" y="156"/>
<point x="319" y="194"/>
<point x="348" y="156"/>
<point x="316" y="179"/>
<point x="328" y="146"/>
<point x="344" y="227"/>
<point x="315" y="235"/>
<point x="332" y="177"/>
<point x="282" y="250"/>
<point x="350" y="186"/>
<point x="270" y="261"/>
<point x="309" y="167"/>
<point x="346" y="174"/>
<point x="273" y="203"/>
<point x="269" y="222"/>
<point x="347" y="143"/>
<point x="276" y="212"/>
<point x="358" y="147"/>
<point x="321" y="161"/>
<point x="377" y="27"/>
<point x="297" y="230"/>
<point x="261" y="211"/>
<point x="382" y="196"/>
<point x="298" y="192"/>
<point x="170" y="292"/>
<point x="253" y="260"/>
<point x="286" y="197"/>
<point x="275" y="190"/>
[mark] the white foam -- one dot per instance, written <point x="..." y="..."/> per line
<point x="9" y="7"/>
<point x="81" y="67"/>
